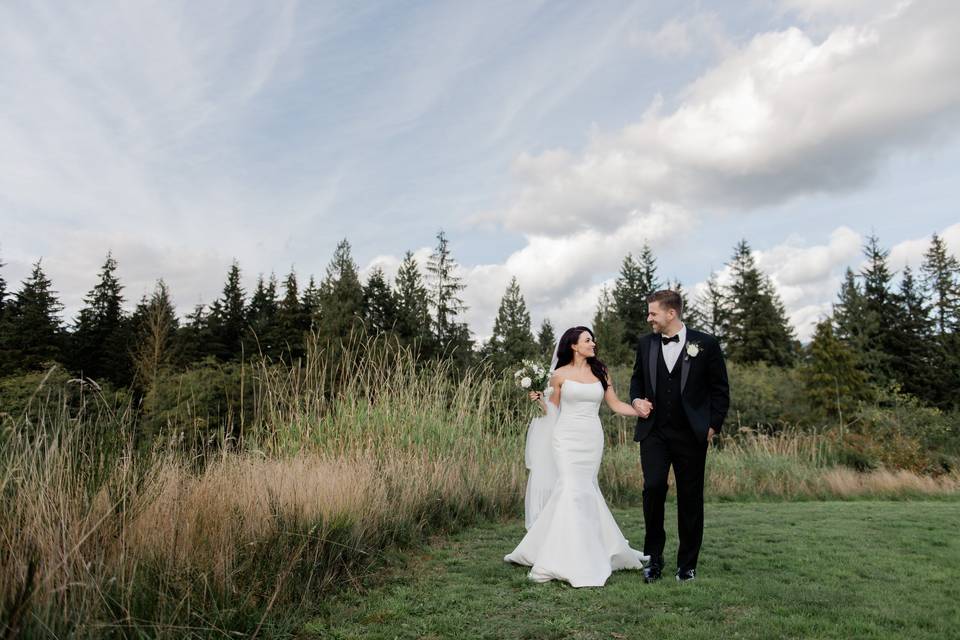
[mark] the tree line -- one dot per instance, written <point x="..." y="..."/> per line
<point x="107" y="343"/>
<point x="878" y="337"/>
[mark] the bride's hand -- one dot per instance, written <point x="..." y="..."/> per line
<point x="537" y="396"/>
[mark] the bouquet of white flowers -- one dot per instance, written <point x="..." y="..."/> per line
<point x="531" y="376"/>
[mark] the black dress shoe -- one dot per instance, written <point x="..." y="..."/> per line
<point x="686" y="575"/>
<point x="653" y="571"/>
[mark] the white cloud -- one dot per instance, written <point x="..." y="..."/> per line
<point x="783" y="116"/>
<point x="682" y="36"/>
<point x="910" y="252"/>
<point x="559" y="275"/>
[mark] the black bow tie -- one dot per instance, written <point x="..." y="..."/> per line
<point x="667" y="340"/>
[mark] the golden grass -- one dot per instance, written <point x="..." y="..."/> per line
<point x="343" y="457"/>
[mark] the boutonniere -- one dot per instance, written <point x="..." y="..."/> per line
<point x="693" y="349"/>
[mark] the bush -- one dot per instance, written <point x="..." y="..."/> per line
<point x="204" y="403"/>
<point x="767" y="397"/>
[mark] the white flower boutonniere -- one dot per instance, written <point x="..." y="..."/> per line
<point x="693" y="349"/>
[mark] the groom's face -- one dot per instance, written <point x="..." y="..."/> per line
<point x="659" y="317"/>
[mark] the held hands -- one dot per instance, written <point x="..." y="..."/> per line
<point x="643" y="407"/>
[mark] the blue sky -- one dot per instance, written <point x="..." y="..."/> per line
<point x="547" y="139"/>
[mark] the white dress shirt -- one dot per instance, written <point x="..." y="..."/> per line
<point x="672" y="350"/>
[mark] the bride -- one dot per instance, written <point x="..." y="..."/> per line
<point x="574" y="537"/>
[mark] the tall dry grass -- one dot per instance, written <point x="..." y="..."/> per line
<point x="344" y="455"/>
<point x="341" y="459"/>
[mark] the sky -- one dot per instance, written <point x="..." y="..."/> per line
<point x="547" y="139"/>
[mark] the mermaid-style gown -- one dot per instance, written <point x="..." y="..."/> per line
<point x="575" y="537"/>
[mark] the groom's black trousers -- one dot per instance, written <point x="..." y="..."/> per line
<point x="667" y="445"/>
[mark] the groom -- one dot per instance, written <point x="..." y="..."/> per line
<point x="679" y="387"/>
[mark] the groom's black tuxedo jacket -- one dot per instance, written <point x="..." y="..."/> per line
<point x="704" y="390"/>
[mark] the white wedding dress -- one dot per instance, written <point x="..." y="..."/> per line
<point x="575" y="537"/>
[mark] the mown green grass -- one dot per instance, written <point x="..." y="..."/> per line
<point x="767" y="570"/>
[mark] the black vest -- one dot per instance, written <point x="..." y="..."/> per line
<point x="670" y="413"/>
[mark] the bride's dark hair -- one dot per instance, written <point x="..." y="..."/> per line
<point x="565" y="353"/>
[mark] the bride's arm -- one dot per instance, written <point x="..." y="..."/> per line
<point x="555" y="383"/>
<point x="616" y="405"/>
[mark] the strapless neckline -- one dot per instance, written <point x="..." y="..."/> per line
<point x="578" y="382"/>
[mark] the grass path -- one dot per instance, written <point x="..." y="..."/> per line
<point x="767" y="570"/>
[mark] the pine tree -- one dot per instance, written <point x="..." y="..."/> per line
<point x="262" y="318"/>
<point x="228" y="317"/>
<point x="341" y="296"/>
<point x="452" y="337"/>
<point x="911" y="345"/>
<point x="546" y="339"/>
<point x="832" y="376"/>
<point x="192" y="342"/>
<point x="155" y="327"/>
<point x="34" y="333"/>
<point x="310" y="302"/>
<point x="379" y="307"/>
<point x="880" y="307"/>
<point x="712" y="309"/>
<point x="941" y="275"/>
<point x="848" y="313"/>
<point x="99" y="343"/>
<point x="512" y="339"/>
<point x="608" y="331"/>
<point x="294" y="317"/>
<point x="636" y="281"/>
<point x="757" y="329"/>
<point x="3" y="292"/>
<point x="413" y="306"/>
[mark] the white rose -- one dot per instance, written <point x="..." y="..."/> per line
<point x="526" y="382"/>
<point x="693" y="350"/>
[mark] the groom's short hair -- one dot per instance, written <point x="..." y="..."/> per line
<point x="668" y="299"/>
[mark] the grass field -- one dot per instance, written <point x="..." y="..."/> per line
<point x="768" y="570"/>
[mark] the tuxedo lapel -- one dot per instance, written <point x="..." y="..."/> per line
<point x="654" y="355"/>
<point x="685" y="360"/>
<point x="684" y="367"/>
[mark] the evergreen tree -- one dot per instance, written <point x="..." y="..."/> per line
<point x="228" y="317"/>
<point x="341" y="296"/>
<point x="608" y="331"/>
<point x="294" y="317"/>
<point x="880" y="308"/>
<point x="834" y="381"/>
<point x="512" y="338"/>
<point x="636" y="281"/>
<point x="941" y="275"/>
<point x="413" y="306"/>
<point x="757" y="329"/>
<point x="379" y="304"/>
<point x="192" y="342"/>
<point x="546" y="340"/>
<point x="912" y="344"/>
<point x="155" y="328"/>
<point x="452" y="337"/>
<point x="310" y="302"/>
<point x="262" y="318"/>
<point x="712" y="309"/>
<point x="33" y="332"/>
<point x="100" y="341"/>
<point x="848" y="313"/>
<point x="3" y="292"/>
